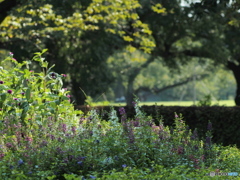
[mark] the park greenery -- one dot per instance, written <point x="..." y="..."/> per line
<point x="56" y="54"/>
<point x="43" y="137"/>
<point x="115" y="48"/>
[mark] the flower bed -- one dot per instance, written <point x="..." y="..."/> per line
<point x="43" y="137"/>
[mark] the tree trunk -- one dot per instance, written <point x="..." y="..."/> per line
<point x="236" y="72"/>
<point x="131" y="79"/>
<point x="77" y="92"/>
<point x="130" y="90"/>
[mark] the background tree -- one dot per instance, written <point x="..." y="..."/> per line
<point x="79" y="35"/>
<point x="219" y="33"/>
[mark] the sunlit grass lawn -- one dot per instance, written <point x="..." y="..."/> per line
<point x="169" y="103"/>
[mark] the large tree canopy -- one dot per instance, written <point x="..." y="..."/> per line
<point x="79" y="35"/>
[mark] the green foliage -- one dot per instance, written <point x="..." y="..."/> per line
<point x="43" y="138"/>
<point x="206" y="101"/>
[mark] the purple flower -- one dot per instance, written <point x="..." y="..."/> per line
<point x="9" y="91"/>
<point x="11" y="54"/>
<point x="22" y="93"/>
<point x="64" y="75"/>
<point x="124" y="165"/>
<point x="28" y="139"/>
<point x="136" y="124"/>
<point x="64" y="128"/>
<point x="53" y="75"/>
<point x="80" y="163"/>
<point x="61" y="140"/>
<point x="73" y="129"/>
<point x="123" y="114"/>
<point x="15" y="99"/>
<point x="20" y="162"/>
<point x="122" y="111"/>
<point x="9" y="145"/>
<point x="52" y="137"/>
<point x="2" y="155"/>
<point x="92" y="177"/>
<point x="1" y="82"/>
<point x="208" y="141"/>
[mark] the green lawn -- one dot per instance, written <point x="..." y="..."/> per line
<point x="170" y="103"/>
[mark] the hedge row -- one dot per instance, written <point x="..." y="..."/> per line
<point x="225" y="120"/>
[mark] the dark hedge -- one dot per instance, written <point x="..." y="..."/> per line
<point x="225" y="120"/>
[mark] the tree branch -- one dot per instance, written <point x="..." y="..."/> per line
<point x="158" y="90"/>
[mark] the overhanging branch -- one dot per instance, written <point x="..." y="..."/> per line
<point x="158" y="90"/>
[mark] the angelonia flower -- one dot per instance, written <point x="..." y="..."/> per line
<point x="1" y="82"/>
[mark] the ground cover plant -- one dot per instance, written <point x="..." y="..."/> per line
<point x="43" y="137"/>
